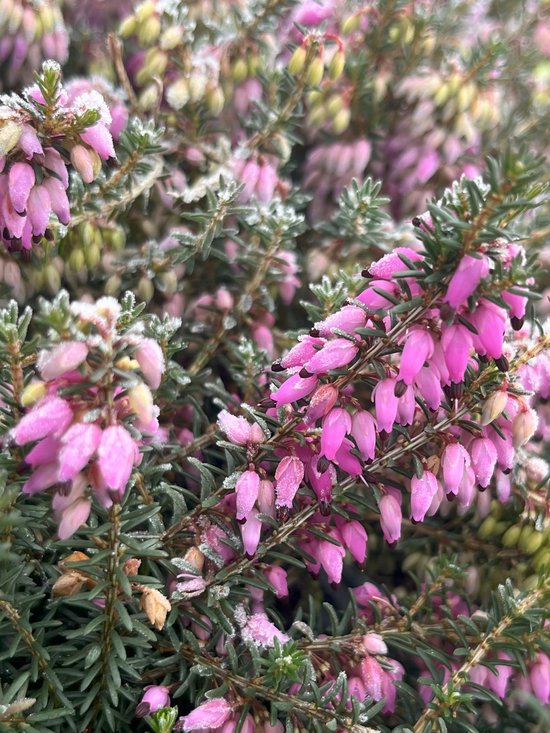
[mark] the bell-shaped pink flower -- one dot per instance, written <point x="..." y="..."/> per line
<point x="386" y="404"/>
<point x="428" y="384"/>
<point x="456" y="342"/>
<point x="50" y="416"/>
<point x="539" y="677"/>
<point x="266" y="498"/>
<point x="517" y="303"/>
<point x="276" y="576"/>
<point x="294" y="388"/>
<point x="39" y="207"/>
<point x="150" y="358"/>
<point x="20" y="182"/>
<point x="490" y="322"/>
<point x="390" y="518"/>
<point x="247" y="487"/>
<point x="363" y="431"/>
<point x="465" y="280"/>
<point x="348" y="319"/>
<point x="423" y="490"/>
<point x="454" y="460"/>
<point x="58" y="199"/>
<point x="346" y="460"/>
<point x="418" y="348"/>
<point x="375" y="300"/>
<point x="251" y="531"/>
<point x="237" y="428"/>
<point x="100" y="139"/>
<point x="116" y="454"/>
<point x="288" y="477"/>
<point x="406" y="407"/>
<point x="79" y="444"/>
<point x="497" y="681"/>
<point x="484" y="457"/>
<point x="63" y="358"/>
<point x="321" y="402"/>
<point x="44" y="477"/>
<point x="301" y="352"/>
<point x="43" y="452"/>
<point x="466" y="489"/>
<point x="211" y="714"/>
<point x="73" y="517"/>
<point x="331" y="558"/>
<point x="154" y="698"/>
<point x="335" y="354"/>
<point x="372" y="675"/>
<point x="335" y="427"/>
<point x="354" y="537"/>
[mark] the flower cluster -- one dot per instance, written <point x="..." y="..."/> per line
<point x="83" y="445"/>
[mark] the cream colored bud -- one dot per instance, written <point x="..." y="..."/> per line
<point x="297" y="61"/>
<point x="144" y="11"/>
<point x="10" y="132"/>
<point x="92" y="255"/>
<point x="215" y="101"/>
<point x="76" y="260"/>
<point x="171" y="38"/>
<point x="149" y="97"/>
<point x="177" y="94"/>
<point x="197" y="86"/>
<point x="141" y="402"/>
<point x="350" y="24"/>
<point x="145" y="289"/>
<point x="341" y="121"/>
<point x="32" y="393"/>
<point x="524" y="426"/>
<point x="128" y="27"/>
<point x="113" y="284"/>
<point x="494" y="406"/>
<point x="239" y="70"/>
<point x="68" y="584"/>
<point x="315" y="72"/>
<point x="336" y="66"/>
<point x="155" y="606"/>
<point x="127" y="364"/>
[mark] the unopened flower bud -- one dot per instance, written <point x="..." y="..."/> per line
<point x="494" y="406"/>
<point x="128" y="27"/>
<point x="177" y="94"/>
<point x="341" y="121"/>
<point x="336" y="66"/>
<point x="350" y="24"/>
<point x="297" y="60"/>
<point x="315" y="71"/>
<point x="171" y="37"/>
<point x="131" y="566"/>
<point x="194" y="557"/>
<point x="524" y="427"/>
<point x="239" y="71"/>
<point x="10" y="132"/>
<point x="149" y="32"/>
<point x="82" y="162"/>
<point x="32" y="393"/>
<point x="215" y="101"/>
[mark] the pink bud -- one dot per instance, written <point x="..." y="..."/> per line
<point x="418" y="348"/>
<point x="539" y="677"/>
<point x="428" y="384"/>
<point x="288" y="477"/>
<point x="154" y="698"/>
<point x="39" y="207"/>
<point x="43" y="452"/>
<point x="490" y="322"/>
<point x="301" y="352"/>
<point x="363" y="430"/>
<point x="346" y="460"/>
<point x="335" y="354"/>
<point x="58" y="199"/>
<point x="79" y="444"/>
<point x="335" y="427"/>
<point x="322" y="400"/>
<point x="423" y="491"/>
<point x="50" y="416"/>
<point x="29" y="142"/>
<point x="267" y="181"/>
<point x="374" y="644"/>
<point x="524" y="426"/>
<point x="266" y="498"/>
<point x="261" y="631"/>
<point x="250" y="533"/>
<point x="517" y="303"/>
<point x="99" y="138"/>
<point x="150" y="358"/>
<point x="73" y="517"/>
<point x="391" y="263"/>
<point x="63" y="358"/>
<point x="21" y="180"/>
<point x="277" y="577"/>
<point x="116" y="454"/>
<point x="390" y="518"/>
<point x="456" y="342"/>
<point x="294" y="388"/>
<point x="372" y="675"/>
<point x="247" y="488"/>
<point x="454" y="460"/>
<point x="375" y="300"/>
<point x="386" y="404"/>
<point x="237" y="429"/>
<point x="497" y="681"/>
<point x="44" y="477"/>
<point x="354" y="537"/>
<point x="348" y="319"/>
<point x="356" y="689"/>
<point x="465" y="280"/>
<point x="484" y="458"/>
<point x="331" y="558"/>
<point x="82" y="162"/>
<point x="211" y="714"/>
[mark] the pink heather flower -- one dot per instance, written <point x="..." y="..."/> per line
<point x="418" y="348"/>
<point x="57" y="197"/>
<point x="374" y="644"/>
<point x="150" y="358"/>
<point x="372" y="675"/>
<point x="266" y="183"/>
<point x="406" y="407"/>
<point x="154" y="698"/>
<point x="63" y="358"/>
<point x="423" y="491"/>
<point x="44" y="477"/>
<point x="39" y="207"/>
<point x="211" y="714"/>
<point x="100" y="139"/>
<point x="276" y="576"/>
<point x="524" y="426"/>
<point x="465" y="279"/>
<point x="50" y="416"/>
<point x="288" y="477"/>
<point x="456" y="342"/>
<point x="386" y="266"/>
<point x="43" y="452"/>
<point x="79" y="444"/>
<point x="490" y="322"/>
<point x="21" y="180"/>
<point x="301" y="352"/>
<point x="363" y="431"/>
<point x="335" y="354"/>
<point x="73" y="517"/>
<point x="539" y="677"/>
<point x="497" y="681"/>
<point x="427" y="382"/>
<point x="335" y="427"/>
<point x="250" y="533"/>
<point x="266" y="498"/>
<point x="259" y="630"/>
<point x="321" y="402"/>
<point x="247" y="487"/>
<point x="345" y="459"/>
<point x="239" y="430"/>
<point x="375" y="300"/>
<point x="454" y="461"/>
<point x="466" y="492"/>
<point x="484" y="457"/>
<point x="29" y="143"/>
<point x="386" y="404"/>
<point x="294" y="388"/>
<point x="517" y="303"/>
<point x="331" y="558"/>
<point x="356" y="689"/>
<point x="348" y="319"/>
<point x="116" y="454"/>
<point x="390" y="518"/>
<point x="354" y="537"/>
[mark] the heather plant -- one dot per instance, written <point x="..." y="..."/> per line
<point x="274" y="367"/>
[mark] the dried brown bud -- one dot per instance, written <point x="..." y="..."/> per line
<point x="131" y="566"/>
<point x="75" y="556"/>
<point x="155" y="606"/>
<point x="68" y="584"/>
<point x="195" y="558"/>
